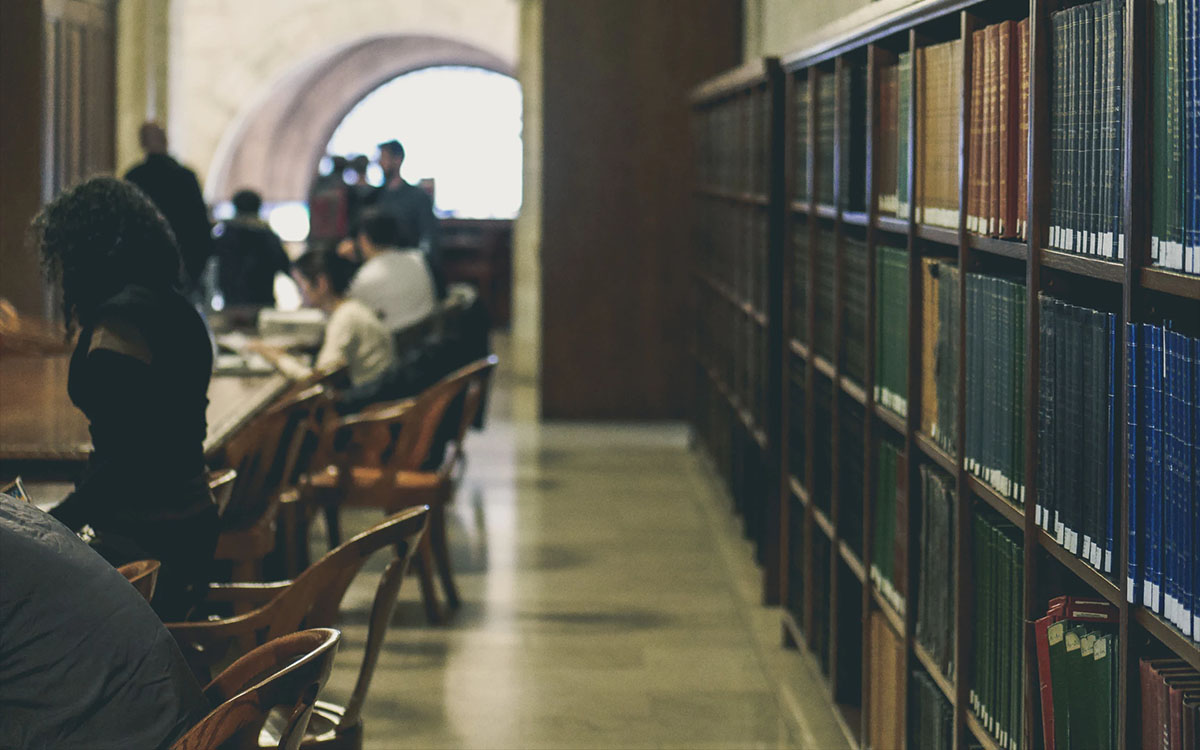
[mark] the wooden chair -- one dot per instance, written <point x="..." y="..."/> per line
<point x="263" y="457"/>
<point x="312" y="600"/>
<point x="220" y="483"/>
<point x="143" y="574"/>
<point x="296" y="668"/>
<point x="384" y="466"/>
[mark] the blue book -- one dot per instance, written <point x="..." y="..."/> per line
<point x="1191" y="138"/>
<point x="1195" y="504"/>
<point x="1155" y="470"/>
<point x="1168" y="475"/>
<point x="1146" y="346"/>
<point x="1187" y="484"/>
<point x="1133" y="583"/>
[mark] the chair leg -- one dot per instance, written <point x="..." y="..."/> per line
<point x="423" y="561"/>
<point x="333" y="524"/>
<point x="436" y="533"/>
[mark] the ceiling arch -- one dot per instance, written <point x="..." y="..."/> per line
<point x="275" y="143"/>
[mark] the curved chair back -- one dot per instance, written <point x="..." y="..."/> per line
<point x="220" y="483"/>
<point x="286" y="673"/>
<point x="143" y="574"/>
<point x="398" y="436"/>
<point x="264" y="454"/>
<point x="311" y="600"/>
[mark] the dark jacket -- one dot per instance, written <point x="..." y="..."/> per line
<point x="248" y="256"/>
<point x="176" y="192"/>
<point x="84" y="661"/>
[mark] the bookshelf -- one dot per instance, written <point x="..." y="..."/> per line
<point x="832" y="421"/>
<point x="737" y="192"/>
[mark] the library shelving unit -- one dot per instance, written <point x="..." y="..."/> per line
<point x="737" y="223"/>
<point x="801" y="443"/>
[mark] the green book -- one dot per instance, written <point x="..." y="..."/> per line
<point x="1077" y="677"/>
<point x="903" y="135"/>
<point x="1060" y="691"/>
<point x="1102" y="675"/>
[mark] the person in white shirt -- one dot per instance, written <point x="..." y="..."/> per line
<point x="394" y="281"/>
<point x="354" y="334"/>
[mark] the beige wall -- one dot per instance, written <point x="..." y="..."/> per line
<point x="227" y="54"/>
<point x="142" y="38"/>
<point x="776" y="28"/>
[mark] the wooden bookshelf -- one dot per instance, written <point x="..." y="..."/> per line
<point x="799" y="221"/>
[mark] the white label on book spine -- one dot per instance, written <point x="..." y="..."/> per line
<point x="1129" y="589"/>
<point x="1097" y="557"/>
<point x="1107" y="561"/>
<point x="1154" y="249"/>
<point x="1121" y="247"/>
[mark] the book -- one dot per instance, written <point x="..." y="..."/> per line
<point x="826" y="127"/>
<point x="1086" y="130"/>
<point x="996" y="689"/>
<point x="800" y="139"/>
<point x="887" y="160"/>
<point x="935" y="575"/>
<point x="891" y="329"/>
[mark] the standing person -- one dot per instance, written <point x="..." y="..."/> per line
<point x="360" y="191"/>
<point x="394" y="280"/>
<point x="409" y="205"/>
<point x="329" y="204"/>
<point x="140" y="374"/>
<point x="174" y="189"/>
<point x="249" y="254"/>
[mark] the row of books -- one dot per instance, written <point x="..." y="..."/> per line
<point x="889" y="540"/>
<point x="799" y="290"/>
<point x="825" y="292"/>
<point x="931" y="717"/>
<point x="734" y="346"/>
<point x="941" y="324"/>
<point x="852" y="132"/>
<point x="1086" y="130"/>
<point x="826" y="126"/>
<point x="939" y="99"/>
<point x="732" y="246"/>
<point x="854" y="309"/>
<point x="1077" y="380"/>
<point x="1078" y="662"/>
<point x="1175" y="156"/>
<point x="885" y="689"/>
<point x="797" y="429"/>
<point x="998" y="147"/>
<point x="733" y="143"/>
<point x="996" y="690"/>
<point x="799" y="137"/>
<point x="936" y="569"/>
<point x="851" y="472"/>
<point x="995" y="440"/>
<point x="822" y="481"/>
<point x="891" y="329"/>
<point x="1163" y="440"/>
<point x="1170" y="704"/>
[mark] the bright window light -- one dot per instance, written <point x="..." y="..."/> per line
<point x="460" y="127"/>
<point x="289" y="220"/>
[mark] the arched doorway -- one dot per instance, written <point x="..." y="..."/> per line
<point x="276" y="141"/>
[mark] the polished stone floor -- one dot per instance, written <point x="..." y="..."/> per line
<point x="609" y="602"/>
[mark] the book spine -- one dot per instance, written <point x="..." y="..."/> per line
<point x="1004" y="124"/>
<point x="1057" y="129"/>
<point x="1023" y="130"/>
<point x="1133" y="580"/>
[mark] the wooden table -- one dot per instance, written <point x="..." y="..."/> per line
<point x="40" y="425"/>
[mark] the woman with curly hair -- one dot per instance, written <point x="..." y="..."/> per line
<point x="139" y="373"/>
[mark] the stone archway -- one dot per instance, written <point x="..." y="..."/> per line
<point x="275" y="143"/>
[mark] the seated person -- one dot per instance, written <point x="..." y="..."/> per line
<point x="394" y="280"/>
<point x="140" y="374"/>
<point x="353" y="335"/>
<point x="248" y="254"/>
<point x="84" y="661"/>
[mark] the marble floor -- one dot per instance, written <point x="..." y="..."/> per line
<point x="609" y="602"/>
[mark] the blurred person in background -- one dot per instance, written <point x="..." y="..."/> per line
<point x="248" y="254"/>
<point x="174" y="189"/>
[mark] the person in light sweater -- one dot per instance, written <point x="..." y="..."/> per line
<point x="394" y="280"/>
<point x="354" y="333"/>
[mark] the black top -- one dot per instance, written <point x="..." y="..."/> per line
<point x="84" y="661"/>
<point x="140" y="376"/>
<point x="249" y="255"/>
<point x="413" y="210"/>
<point x="176" y="192"/>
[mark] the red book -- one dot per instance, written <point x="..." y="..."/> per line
<point x="1023" y="129"/>
<point x="1005" y="119"/>
<point x="1040" y="627"/>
